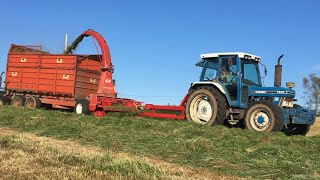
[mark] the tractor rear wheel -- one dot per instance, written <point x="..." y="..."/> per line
<point x="206" y="105"/>
<point x="33" y="102"/>
<point x="82" y="107"/>
<point x="263" y="116"/>
<point x="18" y="100"/>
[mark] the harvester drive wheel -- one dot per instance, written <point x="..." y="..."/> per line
<point x="82" y="107"/>
<point x="33" y="102"/>
<point x="18" y="100"/>
<point x="206" y="105"/>
<point x="263" y="116"/>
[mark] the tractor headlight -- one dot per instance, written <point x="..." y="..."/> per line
<point x="247" y="57"/>
<point x="286" y="102"/>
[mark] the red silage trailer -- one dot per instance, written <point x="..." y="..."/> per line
<point x="83" y="83"/>
<point x="35" y="76"/>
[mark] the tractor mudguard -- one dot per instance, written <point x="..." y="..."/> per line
<point x="217" y="85"/>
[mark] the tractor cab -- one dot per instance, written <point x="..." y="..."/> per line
<point x="235" y="72"/>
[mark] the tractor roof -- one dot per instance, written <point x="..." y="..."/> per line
<point x="239" y="54"/>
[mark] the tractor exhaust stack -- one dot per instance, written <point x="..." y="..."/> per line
<point x="278" y="73"/>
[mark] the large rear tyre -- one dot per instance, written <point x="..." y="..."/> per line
<point x="206" y="105"/>
<point x="33" y="102"/>
<point x="263" y="116"/>
<point x="82" y="107"/>
<point x="18" y="100"/>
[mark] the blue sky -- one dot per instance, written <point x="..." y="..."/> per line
<point x="155" y="44"/>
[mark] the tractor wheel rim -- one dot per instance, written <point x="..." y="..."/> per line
<point x="260" y="120"/>
<point x="201" y="109"/>
<point x="79" y="109"/>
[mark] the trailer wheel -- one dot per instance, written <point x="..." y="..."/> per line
<point x="207" y="106"/>
<point x="18" y="100"/>
<point x="33" y="102"/>
<point x="263" y="116"/>
<point x="82" y="107"/>
<point x="4" y="101"/>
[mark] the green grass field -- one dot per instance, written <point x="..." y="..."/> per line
<point x="220" y="150"/>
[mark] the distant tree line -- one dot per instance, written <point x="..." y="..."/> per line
<point x="311" y="86"/>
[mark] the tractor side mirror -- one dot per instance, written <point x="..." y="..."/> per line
<point x="265" y="71"/>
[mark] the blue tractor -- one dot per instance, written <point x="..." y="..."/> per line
<point x="230" y="91"/>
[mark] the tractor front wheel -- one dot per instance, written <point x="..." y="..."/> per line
<point x="263" y="116"/>
<point x="206" y="105"/>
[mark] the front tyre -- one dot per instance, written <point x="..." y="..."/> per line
<point x="207" y="106"/>
<point x="263" y="116"/>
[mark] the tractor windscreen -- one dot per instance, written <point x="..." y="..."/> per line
<point x="210" y="66"/>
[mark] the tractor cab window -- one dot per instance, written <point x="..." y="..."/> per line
<point x="228" y="70"/>
<point x="250" y="72"/>
<point x="209" y="71"/>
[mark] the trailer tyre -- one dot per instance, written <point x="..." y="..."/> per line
<point x="263" y="116"/>
<point x="18" y="100"/>
<point x="206" y="105"/>
<point x="82" y="107"/>
<point x="33" y="102"/>
<point x="4" y="101"/>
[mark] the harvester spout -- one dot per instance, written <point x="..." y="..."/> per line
<point x="278" y="73"/>
<point x="106" y="85"/>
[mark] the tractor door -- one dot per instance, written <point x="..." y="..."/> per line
<point x="250" y="76"/>
<point x="230" y="79"/>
